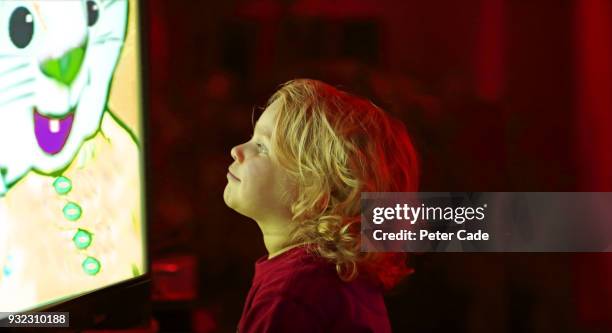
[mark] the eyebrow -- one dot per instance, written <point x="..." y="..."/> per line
<point x="36" y="5"/>
<point x="265" y="133"/>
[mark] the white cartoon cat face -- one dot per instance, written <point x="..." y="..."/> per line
<point x="57" y="60"/>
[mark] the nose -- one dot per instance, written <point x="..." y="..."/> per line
<point x="237" y="153"/>
<point x="65" y="68"/>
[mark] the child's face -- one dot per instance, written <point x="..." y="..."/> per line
<point x="256" y="183"/>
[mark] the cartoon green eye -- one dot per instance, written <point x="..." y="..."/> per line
<point x="93" y="12"/>
<point x="21" y="27"/>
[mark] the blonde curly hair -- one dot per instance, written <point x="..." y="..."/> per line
<point x="336" y="145"/>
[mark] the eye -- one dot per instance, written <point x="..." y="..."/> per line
<point x="93" y="12"/>
<point x="261" y="147"/>
<point x="21" y="27"/>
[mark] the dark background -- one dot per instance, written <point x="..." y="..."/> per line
<point x="499" y="95"/>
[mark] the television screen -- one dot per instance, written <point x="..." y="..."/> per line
<point x="71" y="150"/>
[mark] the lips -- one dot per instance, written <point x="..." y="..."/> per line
<point x="230" y="175"/>
<point x="52" y="132"/>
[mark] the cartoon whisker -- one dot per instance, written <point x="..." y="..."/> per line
<point x="107" y="38"/>
<point x="16" y="85"/>
<point x="14" y="68"/>
<point x="13" y="89"/>
<point x="114" y="39"/>
<point x="109" y="3"/>
<point x="10" y="55"/>
<point x="24" y="96"/>
<point x="105" y="35"/>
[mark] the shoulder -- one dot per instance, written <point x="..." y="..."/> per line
<point x="298" y="275"/>
<point x="306" y="281"/>
<point x="302" y="290"/>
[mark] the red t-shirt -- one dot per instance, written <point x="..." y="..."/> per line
<point x="299" y="292"/>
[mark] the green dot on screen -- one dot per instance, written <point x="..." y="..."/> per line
<point x="82" y="239"/>
<point x="91" y="266"/>
<point x="72" y="211"/>
<point x="62" y="185"/>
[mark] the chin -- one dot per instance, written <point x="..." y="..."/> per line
<point x="226" y="197"/>
<point x="229" y="199"/>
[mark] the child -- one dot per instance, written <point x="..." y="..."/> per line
<point x="314" y="150"/>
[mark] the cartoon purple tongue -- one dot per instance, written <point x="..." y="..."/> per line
<point x="51" y="133"/>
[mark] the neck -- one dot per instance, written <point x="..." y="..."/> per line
<point x="276" y="237"/>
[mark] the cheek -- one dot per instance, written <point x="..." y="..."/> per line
<point x="257" y="177"/>
<point x="264" y="182"/>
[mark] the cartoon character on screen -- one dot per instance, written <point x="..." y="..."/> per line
<point x="55" y="68"/>
<point x="64" y="156"/>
